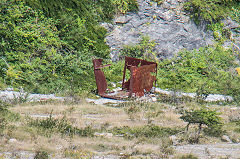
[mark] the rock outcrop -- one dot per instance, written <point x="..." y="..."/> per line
<point x="167" y="24"/>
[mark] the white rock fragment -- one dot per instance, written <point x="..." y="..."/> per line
<point x="226" y="138"/>
<point x="11" y="141"/>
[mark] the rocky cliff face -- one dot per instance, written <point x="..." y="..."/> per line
<point x="167" y="24"/>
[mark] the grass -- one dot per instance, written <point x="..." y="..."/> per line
<point x="67" y="130"/>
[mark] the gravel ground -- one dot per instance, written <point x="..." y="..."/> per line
<point x="221" y="150"/>
<point x="13" y="95"/>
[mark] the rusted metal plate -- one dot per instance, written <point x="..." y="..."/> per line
<point x="141" y="78"/>
<point x="99" y="76"/>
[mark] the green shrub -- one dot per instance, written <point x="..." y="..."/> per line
<point x="189" y="156"/>
<point x="205" y="117"/>
<point x="144" y="131"/>
<point x="37" y="55"/>
<point x="41" y="154"/>
<point x="6" y="116"/>
<point x="124" y="6"/>
<point x="205" y="71"/>
<point x="209" y="10"/>
<point x="50" y="125"/>
<point x="145" y="49"/>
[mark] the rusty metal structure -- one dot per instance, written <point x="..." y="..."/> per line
<point x="142" y="78"/>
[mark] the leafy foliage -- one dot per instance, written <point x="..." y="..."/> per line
<point x="6" y="116"/>
<point x="124" y="6"/>
<point x="205" y="71"/>
<point x="50" y="125"/>
<point x="145" y="49"/>
<point x="41" y="154"/>
<point x="145" y="131"/>
<point x="202" y="116"/>
<point x="35" y="55"/>
<point x="47" y="46"/>
<point x="206" y="117"/>
<point x="209" y="10"/>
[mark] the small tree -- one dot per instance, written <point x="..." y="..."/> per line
<point x="202" y="117"/>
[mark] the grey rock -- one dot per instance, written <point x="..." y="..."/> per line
<point x="107" y="26"/>
<point x="12" y="140"/>
<point x="167" y="24"/>
<point x="174" y="139"/>
<point x="122" y="19"/>
<point x="10" y="96"/>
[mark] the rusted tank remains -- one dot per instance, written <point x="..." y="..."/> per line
<point x="142" y="78"/>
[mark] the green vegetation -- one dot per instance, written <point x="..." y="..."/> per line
<point x="205" y="117"/>
<point x="210" y="10"/>
<point x="207" y="70"/>
<point x="145" y="49"/>
<point x="47" y="46"/>
<point x="189" y="156"/>
<point x="51" y="125"/>
<point x="148" y="131"/>
<point x="41" y="154"/>
<point x="6" y="117"/>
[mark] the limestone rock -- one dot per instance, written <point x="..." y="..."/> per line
<point x="122" y="19"/>
<point x="107" y="135"/>
<point x="12" y="141"/>
<point x="167" y="24"/>
<point x="225" y="138"/>
<point x="174" y="139"/>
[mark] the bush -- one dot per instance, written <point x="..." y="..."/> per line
<point x="145" y="131"/>
<point x="189" y="156"/>
<point x="205" y="117"/>
<point x="205" y="71"/>
<point x="41" y="154"/>
<point x="209" y="10"/>
<point x="50" y="125"/>
<point x="6" y="116"/>
<point x="145" y="49"/>
<point x="41" y="56"/>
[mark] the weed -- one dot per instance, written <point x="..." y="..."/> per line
<point x="145" y="131"/>
<point x="77" y="153"/>
<point x="159" y="2"/>
<point x="166" y="147"/>
<point x="131" y="108"/>
<point x="188" y="156"/>
<point x="41" y="154"/>
<point x="62" y="126"/>
<point x="6" y="116"/>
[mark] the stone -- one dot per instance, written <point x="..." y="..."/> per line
<point x="166" y="24"/>
<point x="154" y="99"/>
<point x="174" y="139"/>
<point x="107" y="26"/>
<point x="122" y="19"/>
<point x="12" y="141"/>
<point x="107" y="135"/>
<point x="226" y="138"/>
